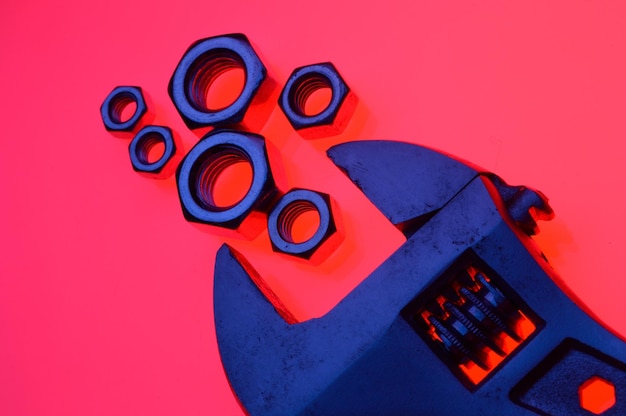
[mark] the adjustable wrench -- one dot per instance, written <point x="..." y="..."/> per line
<point x="463" y="319"/>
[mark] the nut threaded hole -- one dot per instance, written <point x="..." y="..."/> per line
<point x="151" y="148"/>
<point x="123" y="108"/>
<point x="215" y="80"/>
<point x="298" y="222"/>
<point x="223" y="179"/>
<point x="312" y="95"/>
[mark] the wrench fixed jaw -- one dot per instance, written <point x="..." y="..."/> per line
<point x="273" y="366"/>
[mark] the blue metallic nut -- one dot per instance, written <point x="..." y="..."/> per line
<point x="283" y="215"/>
<point x="197" y="174"/>
<point x="114" y="104"/>
<point x="202" y="63"/>
<point x="301" y="84"/>
<point x="141" y="145"/>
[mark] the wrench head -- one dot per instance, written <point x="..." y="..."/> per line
<point x="371" y="354"/>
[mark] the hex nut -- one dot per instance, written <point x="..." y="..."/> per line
<point x="114" y="104"/>
<point x="282" y="216"/>
<point x="200" y="168"/>
<point x="202" y="63"/>
<point x="140" y="146"/>
<point x="299" y="87"/>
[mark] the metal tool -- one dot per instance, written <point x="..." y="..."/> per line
<point x="463" y="319"/>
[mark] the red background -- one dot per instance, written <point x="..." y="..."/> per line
<point x="106" y="291"/>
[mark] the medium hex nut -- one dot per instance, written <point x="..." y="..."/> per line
<point x="283" y="215"/>
<point x="114" y="104"/>
<point x="301" y="84"/>
<point x="143" y="142"/>
<point x="197" y="174"/>
<point x="202" y="63"/>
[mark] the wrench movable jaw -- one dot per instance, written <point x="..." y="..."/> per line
<point x="407" y="183"/>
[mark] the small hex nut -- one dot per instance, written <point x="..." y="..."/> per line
<point x="140" y="146"/>
<point x="201" y="64"/>
<point x="288" y="208"/>
<point x="196" y="178"/>
<point x="299" y="87"/>
<point x="113" y="105"/>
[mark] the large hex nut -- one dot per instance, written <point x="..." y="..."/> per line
<point x="201" y="64"/>
<point x="143" y="142"/>
<point x="197" y="174"/>
<point x="114" y="104"/>
<point x="283" y="215"/>
<point x="301" y="84"/>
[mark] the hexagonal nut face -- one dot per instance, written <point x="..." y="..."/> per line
<point x="202" y="63"/>
<point x="283" y="215"/>
<point x="199" y="170"/>
<point x="305" y="80"/>
<point x="597" y="395"/>
<point x="141" y="145"/>
<point x="113" y="106"/>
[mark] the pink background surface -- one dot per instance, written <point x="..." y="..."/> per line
<point x="106" y="291"/>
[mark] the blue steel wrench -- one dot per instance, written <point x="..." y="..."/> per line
<point x="463" y="319"/>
